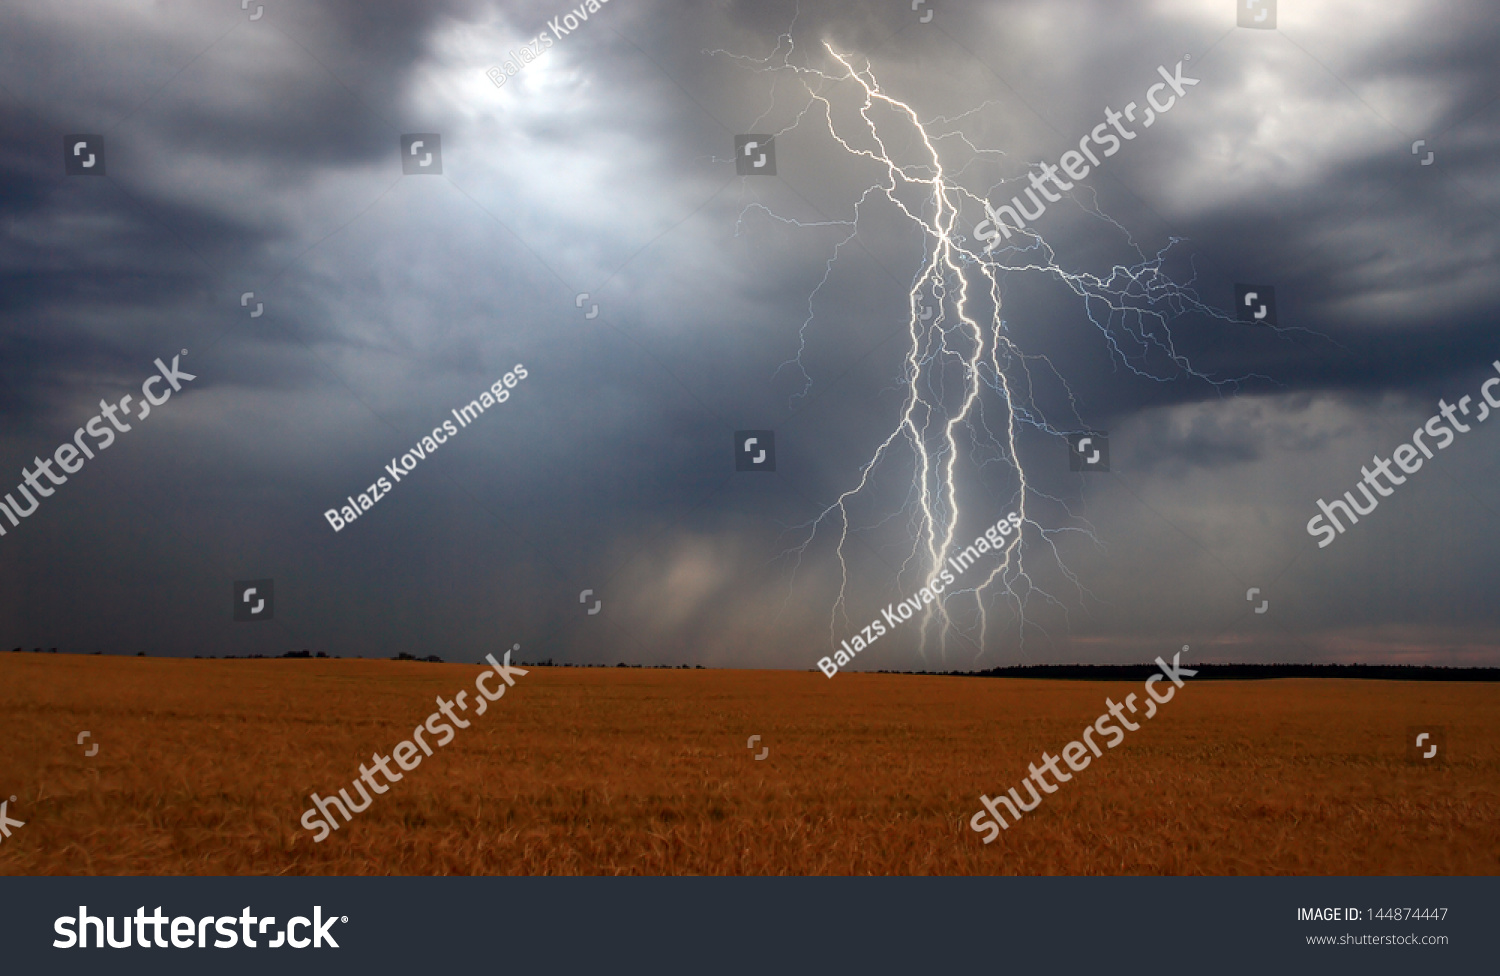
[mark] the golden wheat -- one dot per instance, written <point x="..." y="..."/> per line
<point x="205" y="767"/>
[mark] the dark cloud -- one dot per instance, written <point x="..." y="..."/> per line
<point x="263" y="157"/>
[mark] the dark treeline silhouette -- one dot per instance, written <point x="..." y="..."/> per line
<point x="1237" y="672"/>
<point x="1063" y="672"/>
<point x="402" y="656"/>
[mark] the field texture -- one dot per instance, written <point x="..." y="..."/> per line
<point x="205" y="767"/>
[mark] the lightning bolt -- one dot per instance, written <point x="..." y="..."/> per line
<point x="962" y="364"/>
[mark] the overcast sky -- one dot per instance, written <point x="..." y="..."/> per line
<point x="265" y="156"/>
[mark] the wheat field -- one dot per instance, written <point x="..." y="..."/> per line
<point x="205" y="767"/>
